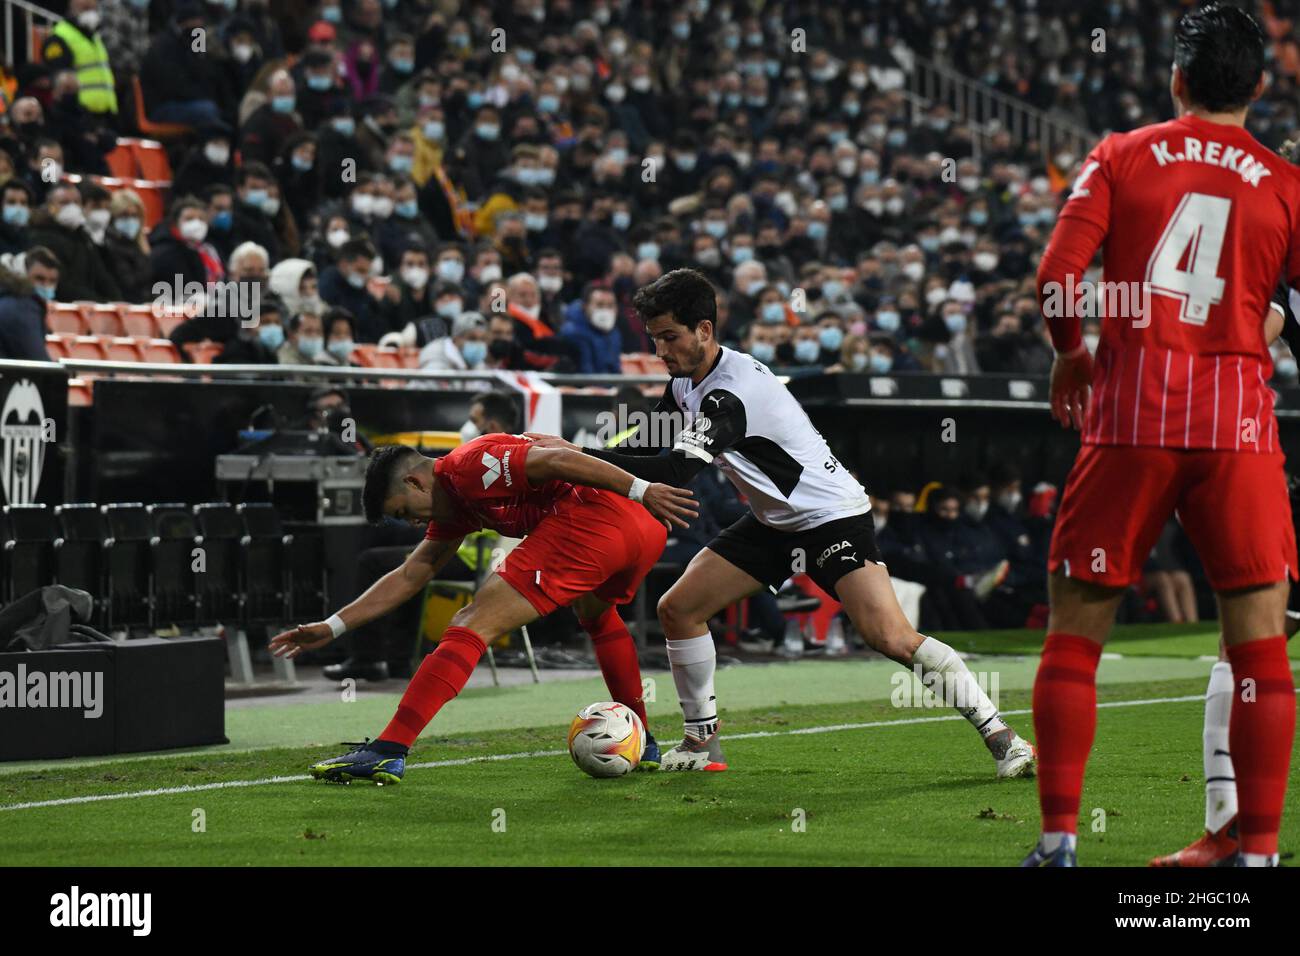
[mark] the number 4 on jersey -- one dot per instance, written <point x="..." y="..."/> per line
<point x="1194" y="236"/>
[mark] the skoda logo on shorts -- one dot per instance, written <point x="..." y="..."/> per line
<point x="835" y="549"/>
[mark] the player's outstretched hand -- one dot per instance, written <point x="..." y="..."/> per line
<point x="1071" y="382"/>
<point x="304" y="637"/>
<point x="550" y="441"/>
<point x="672" y="506"/>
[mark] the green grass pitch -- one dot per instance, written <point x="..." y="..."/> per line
<point x="915" y="788"/>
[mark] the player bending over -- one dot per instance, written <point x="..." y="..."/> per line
<point x="586" y="545"/>
<point x="1218" y="846"/>
<point x="1175" y="414"/>
<point x="806" y="508"/>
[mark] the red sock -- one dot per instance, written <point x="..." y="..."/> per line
<point x="1065" y="721"/>
<point x="441" y="677"/>
<point x="1260" y="734"/>
<point x="616" y="654"/>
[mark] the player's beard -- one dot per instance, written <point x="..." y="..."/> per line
<point x="693" y="361"/>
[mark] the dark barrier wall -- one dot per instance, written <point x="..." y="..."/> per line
<point x="33" y="410"/>
<point x="156" y="441"/>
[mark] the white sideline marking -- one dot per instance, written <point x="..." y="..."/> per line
<point x="462" y="761"/>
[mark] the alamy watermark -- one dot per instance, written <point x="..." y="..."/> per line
<point x="74" y="690"/>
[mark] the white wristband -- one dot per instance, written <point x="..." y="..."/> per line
<point x="637" y="491"/>
<point x="336" y="624"/>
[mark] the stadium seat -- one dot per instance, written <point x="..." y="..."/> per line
<point x="151" y="159"/>
<point x="171" y="563"/>
<point x="265" y="564"/>
<point x="154" y="197"/>
<point x="121" y="348"/>
<point x="126" y="564"/>
<point x="102" y="318"/>
<point x="146" y="126"/>
<point x="89" y="347"/>
<point x="202" y="353"/>
<point x="138" y="320"/>
<point x="388" y="358"/>
<point x="221" y="530"/>
<point x="167" y="320"/>
<point x="307" y="577"/>
<point x="159" y="351"/>
<point x="65" y="317"/>
<point x="410" y="356"/>
<point x="81" y="392"/>
<point x="55" y="347"/>
<point x="363" y="353"/>
<point x="29" y="533"/>
<point x="79" y="548"/>
<point x="121" y="160"/>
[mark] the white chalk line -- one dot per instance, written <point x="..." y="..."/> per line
<point x="524" y="755"/>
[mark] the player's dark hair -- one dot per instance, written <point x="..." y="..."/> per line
<point x="1220" y="51"/>
<point x="387" y="467"/>
<point x="500" y="406"/>
<point x="684" y="294"/>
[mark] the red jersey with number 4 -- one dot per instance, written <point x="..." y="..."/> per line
<point x="485" y="478"/>
<point x="1199" y="221"/>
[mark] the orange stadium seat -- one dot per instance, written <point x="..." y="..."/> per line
<point x="154" y="196"/>
<point x="55" y="347"/>
<point x="363" y="353"/>
<point x="161" y="351"/>
<point x="102" y="318"/>
<point x="121" y="161"/>
<point x="387" y="358"/>
<point x="410" y="356"/>
<point x="148" y="127"/>
<point x="65" y="317"/>
<point x="138" y="320"/>
<point x="167" y="320"/>
<point x="151" y="158"/>
<point x="80" y="392"/>
<point x="202" y="353"/>
<point x="120" y="348"/>
<point x="89" y="347"/>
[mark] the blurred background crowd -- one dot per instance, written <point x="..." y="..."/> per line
<point x="490" y="182"/>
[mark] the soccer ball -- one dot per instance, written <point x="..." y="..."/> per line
<point x="606" y="739"/>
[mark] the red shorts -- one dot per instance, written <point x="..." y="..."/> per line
<point x="602" y="545"/>
<point x="1233" y="505"/>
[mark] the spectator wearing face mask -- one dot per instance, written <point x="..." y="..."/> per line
<point x="272" y="124"/>
<point x="465" y="348"/>
<point x="960" y="551"/>
<point x="590" y="327"/>
<point x="340" y="338"/>
<point x="126" y="247"/>
<point x="304" y="342"/>
<point x="178" y="86"/>
<point x="298" y="175"/>
<point x="344" y="284"/>
<point x="22" y="306"/>
<point x="1010" y="349"/>
<point x="179" y="254"/>
<point x="416" y="297"/>
<point x="254" y="209"/>
<point x="60" y="227"/>
<point x="15" y="214"/>
<point x="208" y="164"/>
<point x="86" y="137"/>
<point x="75" y="43"/>
<point x="255" y="345"/>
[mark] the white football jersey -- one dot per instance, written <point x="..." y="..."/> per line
<point x="744" y="420"/>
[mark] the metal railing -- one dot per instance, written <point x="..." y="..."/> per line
<point x="330" y="373"/>
<point x="30" y="13"/>
<point x="987" y="111"/>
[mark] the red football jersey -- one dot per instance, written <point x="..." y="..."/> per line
<point x="1203" y="218"/>
<point x="486" y="480"/>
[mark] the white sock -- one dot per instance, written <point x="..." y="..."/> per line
<point x="1049" y="842"/>
<point x="1220" y="784"/>
<point x="958" y="685"/>
<point x="1259" y="859"/>
<point x="693" y="661"/>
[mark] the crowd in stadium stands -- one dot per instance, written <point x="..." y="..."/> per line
<point x="490" y="183"/>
